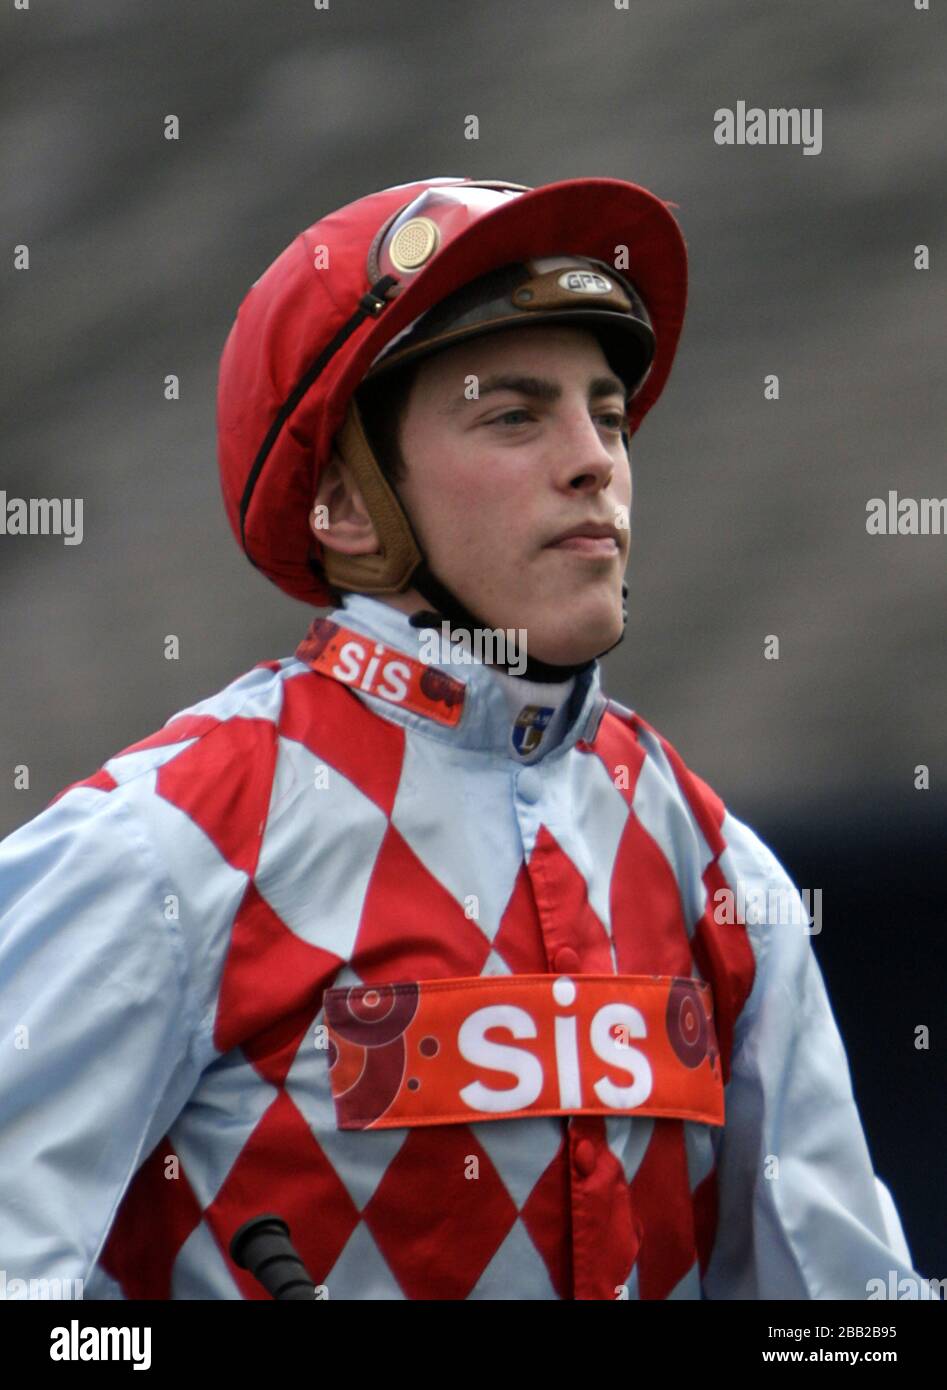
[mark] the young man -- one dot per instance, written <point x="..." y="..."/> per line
<point x="414" y="938"/>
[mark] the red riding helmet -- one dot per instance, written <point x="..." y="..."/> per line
<point x="324" y="316"/>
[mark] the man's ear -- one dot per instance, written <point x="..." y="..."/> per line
<point x="339" y="517"/>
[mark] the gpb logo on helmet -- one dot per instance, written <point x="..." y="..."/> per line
<point x="585" y="282"/>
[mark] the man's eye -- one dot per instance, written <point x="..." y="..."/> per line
<point x="615" y="419"/>
<point x="518" y="410"/>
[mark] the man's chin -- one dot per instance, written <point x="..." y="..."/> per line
<point x="567" y="641"/>
<point x="566" y="630"/>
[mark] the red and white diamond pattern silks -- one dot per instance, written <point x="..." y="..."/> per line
<point x="315" y="843"/>
<point x="170" y="927"/>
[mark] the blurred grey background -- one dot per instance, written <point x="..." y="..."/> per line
<point x="749" y="514"/>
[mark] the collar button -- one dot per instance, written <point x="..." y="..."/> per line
<point x="528" y="785"/>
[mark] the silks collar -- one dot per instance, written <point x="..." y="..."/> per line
<point x="373" y="649"/>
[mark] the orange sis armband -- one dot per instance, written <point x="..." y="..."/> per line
<point x="435" y="1052"/>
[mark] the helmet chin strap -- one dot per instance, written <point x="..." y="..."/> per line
<point x="447" y="605"/>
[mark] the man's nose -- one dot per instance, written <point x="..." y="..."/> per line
<point x="587" y="462"/>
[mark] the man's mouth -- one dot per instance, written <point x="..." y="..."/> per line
<point x="588" y="545"/>
<point x="595" y="538"/>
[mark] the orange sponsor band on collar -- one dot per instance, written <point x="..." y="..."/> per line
<point x="435" y="1052"/>
<point x="367" y="664"/>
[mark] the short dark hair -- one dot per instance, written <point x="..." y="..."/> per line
<point x="382" y="404"/>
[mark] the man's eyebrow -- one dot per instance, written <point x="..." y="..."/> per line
<point x="537" y="388"/>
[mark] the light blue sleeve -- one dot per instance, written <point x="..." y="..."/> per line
<point x="99" y="1028"/>
<point x="801" y="1214"/>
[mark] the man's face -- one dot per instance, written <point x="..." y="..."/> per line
<point x="493" y="482"/>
